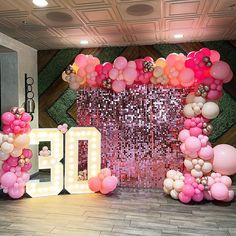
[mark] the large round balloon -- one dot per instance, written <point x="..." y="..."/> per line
<point x="224" y="161"/>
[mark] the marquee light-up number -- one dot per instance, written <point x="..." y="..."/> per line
<point x="93" y="136"/>
<point x="35" y="188"/>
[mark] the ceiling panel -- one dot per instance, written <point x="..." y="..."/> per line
<point x="63" y="23"/>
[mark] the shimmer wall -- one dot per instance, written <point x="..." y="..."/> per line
<point x="139" y="131"/>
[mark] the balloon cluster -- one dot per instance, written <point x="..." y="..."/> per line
<point x="63" y="128"/>
<point x="103" y="182"/>
<point x="15" y="158"/>
<point x="201" y="68"/>
<point x="206" y="167"/>
<point x="45" y="152"/>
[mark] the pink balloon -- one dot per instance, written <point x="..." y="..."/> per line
<point x="26" y="117"/>
<point x="25" y="177"/>
<point x="104" y="191"/>
<point x="183" y="198"/>
<point x="131" y="64"/>
<point x="171" y="59"/>
<point x="89" y="68"/>
<point x="81" y="60"/>
<point x="188" y="179"/>
<point x="230" y="196"/>
<point x="8" y="179"/>
<point x="219" y="191"/>
<point x="7" y="118"/>
<point x="196" y="131"/>
<point x="118" y="86"/>
<point x="224" y="161"/>
<point x="215" y="56"/>
<point x="206" y="51"/>
<point x="198" y="197"/>
<point x="109" y="184"/>
<point x="94" y="184"/>
<point x="113" y="73"/>
<point x="207" y="195"/>
<point x="206" y="153"/>
<point x="219" y="69"/>
<point x="183" y="135"/>
<point x="16" y="192"/>
<point x="192" y="144"/>
<point x="120" y="63"/>
<point x="188" y="190"/>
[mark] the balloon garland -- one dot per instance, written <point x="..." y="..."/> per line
<point x="14" y="153"/>
<point x="206" y="168"/>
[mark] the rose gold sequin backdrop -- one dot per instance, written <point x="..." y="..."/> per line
<point x="139" y="129"/>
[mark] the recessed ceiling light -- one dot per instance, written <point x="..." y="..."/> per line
<point x="40" y="3"/>
<point x="84" y="42"/>
<point x="178" y="36"/>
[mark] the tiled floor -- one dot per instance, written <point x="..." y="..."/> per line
<point x="125" y="212"/>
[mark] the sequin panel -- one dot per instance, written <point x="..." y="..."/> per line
<point x="139" y="130"/>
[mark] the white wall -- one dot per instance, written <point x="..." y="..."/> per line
<point x="26" y="63"/>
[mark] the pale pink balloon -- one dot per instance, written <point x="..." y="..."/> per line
<point x="109" y="184"/>
<point x="215" y="56"/>
<point x="94" y="184"/>
<point x="81" y="73"/>
<point x="229" y="77"/>
<point x="192" y="144"/>
<point x="224" y="161"/>
<point x="206" y="153"/>
<point x="219" y="69"/>
<point x="120" y="63"/>
<point x="230" y="196"/>
<point x="113" y="73"/>
<point x="219" y="191"/>
<point x="118" y="86"/>
<point x="171" y="59"/>
<point x="186" y="77"/>
<point x="89" y="68"/>
<point x="129" y="75"/>
<point x="183" y="135"/>
<point x="81" y="60"/>
<point x="131" y="64"/>
<point x="226" y="180"/>
<point x="183" y="198"/>
<point x="8" y="179"/>
<point x="16" y="192"/>
<point x="104" y="191"/>
<point x="25" y="177"/>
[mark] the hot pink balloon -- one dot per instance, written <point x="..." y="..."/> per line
<point x="120" y="63"/>
<point x="26" y="117"/>
<point x="183" y="198"/>
<point x="224" y="161"/>
<point x="7" y="118"/>
<point x="8" y="179"/>
<point x="198" y="197"/>
<point x="12" y="161"/>
<point x="188" y="190"/>
<point x="26" y="167"/>
<point x="109" y="184"/>
<point x="219" y="70"/>
<point x="94" y="184"/>
<point x="6" y="167"/>
<point x="118" y="86"/>
<point x="219" y="191"/>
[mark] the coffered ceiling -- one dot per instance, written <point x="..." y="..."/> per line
<point x="64" y="23"/>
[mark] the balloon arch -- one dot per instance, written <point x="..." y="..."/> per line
<point x="206" y="168"/>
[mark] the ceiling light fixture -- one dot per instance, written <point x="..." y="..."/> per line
<point x="40" y="3"/>
<point x="178" y="36"/>
<point x="84" y="42"/>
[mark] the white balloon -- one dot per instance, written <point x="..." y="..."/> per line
<point x="171" y="174"/>
<point x="178" y="185"/>
<point x="174" y="194"/>
<point x="188" y="164"/>
<point x="166" y="190"/>
<point x="196" y="173"/>
<point x="188" y="111"/>
<point x="168" y="183"/>
<point x="207" y="167"/>
<point x="210" y="110"/>
<point x="3" y="156"/>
